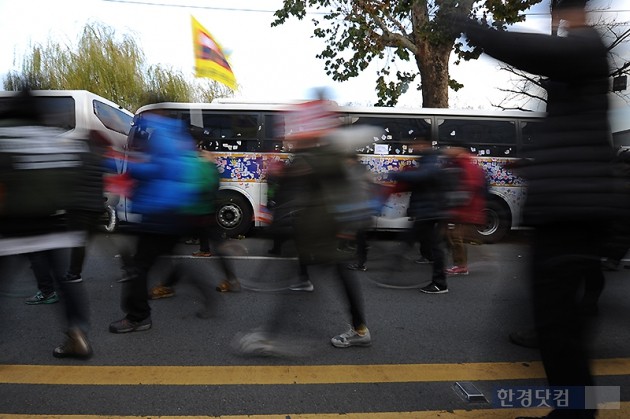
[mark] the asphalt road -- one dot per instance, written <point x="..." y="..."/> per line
<point x="186" y="366"/>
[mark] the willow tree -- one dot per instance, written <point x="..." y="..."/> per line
<point x="111" y="66"/>
<point x="419" y="31"/>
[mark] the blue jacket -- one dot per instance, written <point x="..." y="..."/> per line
<point x="165" y="176"/>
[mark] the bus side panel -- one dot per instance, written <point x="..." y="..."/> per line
<point x="246" y="173"/>
<point x="505" y="184"/>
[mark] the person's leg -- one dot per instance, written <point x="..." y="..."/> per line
<point x="77" y="256"/>
<point x="359" y="335"/>
<point x="217" y="240"/>
<point x="438" y="238"/>
<point x="44" y="277"/>
<point x="362" y="250"/>
<point x="424" y="237"/>
<point x="362" y="247"/>
<point x="134" y="291"/>
<point x="203" y="231"/>
<point x="354" y="296"/>
<point x="81" y="221"/>
<point x="593" y="287"/>
<point x="276" y="248"/>
<point x="561" y="260"/>
<point x="458" y="248"/>
<point x="73" y="292"/>
<point x="76" y="307"/>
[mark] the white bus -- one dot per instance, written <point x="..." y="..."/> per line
<point x="78" y="112"/>
<point x="244" y="136"/>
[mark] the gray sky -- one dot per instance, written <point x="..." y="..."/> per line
<point x="270" y="64"/>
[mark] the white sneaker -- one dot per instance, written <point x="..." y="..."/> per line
<point x="254" y="343"/>
<point x="259" y="343"/>
<point x="352" y="338"/>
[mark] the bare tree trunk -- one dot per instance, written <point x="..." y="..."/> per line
<point x="433" y="63"/>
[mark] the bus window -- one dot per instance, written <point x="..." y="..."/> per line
<point x="395" y="134"/>
<point x="484" y="137"/>
<point x="112" y="118"/>
<point x="58" y="111"/>
<point x="224" y="131"/>
<point x="274" y="131"/>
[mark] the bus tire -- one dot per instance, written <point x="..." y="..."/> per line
<point x="498" y="222"/>
<point x="234" y="213"/>
<point x="110" y="220"/>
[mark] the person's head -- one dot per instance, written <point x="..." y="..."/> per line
<point x="306" y="123"/>
<point x="572" y="12"/>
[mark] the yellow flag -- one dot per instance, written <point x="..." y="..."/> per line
<point x="210" y="62"/>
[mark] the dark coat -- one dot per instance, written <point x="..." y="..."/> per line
<point x="569" y="172"/>
<point x="427" y="201"/>
<point x="316" y="230"/>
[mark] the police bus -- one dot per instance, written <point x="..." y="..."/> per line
<point x="247" y="140"/>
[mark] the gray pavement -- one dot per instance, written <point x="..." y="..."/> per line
<point x="470" y="324"/>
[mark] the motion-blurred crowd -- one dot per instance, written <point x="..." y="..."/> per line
<point x="51" y="200"/>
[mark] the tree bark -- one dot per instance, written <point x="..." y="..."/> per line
<point x="432" y="61"/>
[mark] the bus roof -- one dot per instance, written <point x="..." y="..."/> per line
<point x="280" y="107"/>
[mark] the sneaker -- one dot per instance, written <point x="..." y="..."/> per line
<point x="433" y="288"/>
<point x="76" y="346"/>
<point x="229" y="286"/>
<point x="259" y="343"/>
<point x="161" y="291"/>
<point x="306" y="286"/>
<point x="256" y="344"/>
<point x="40" y="298"/>
<point x="357" y="267"/>
<point x="202" y="254"/>
<point x="352" y="338"/>
<point x="423" y="260"/>
<point x="125" y="325"/>
<point x="71" y="278"/>
<point x="457" y="270"/>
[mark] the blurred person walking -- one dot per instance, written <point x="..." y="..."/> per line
<point x="427" y="208"/>
<point x="318" y="177"/>
<point x="88" y="207"/>
<point x="203" y="219"/>
<point x="573" y="189"/>
<point x="40" y="170"/>
<point x="466" y="211"/>
<point x="362" y="178"/>
<point x="83" y="214"/>
<point x="166" y="182"/>
<point x="284" y="190"/>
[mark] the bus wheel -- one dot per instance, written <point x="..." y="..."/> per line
<point x="498" y="222"/>
<point x="110" y="220"/>
<point x="234" y="213"/>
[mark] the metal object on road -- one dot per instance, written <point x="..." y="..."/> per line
<point x="469" y="392"/>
